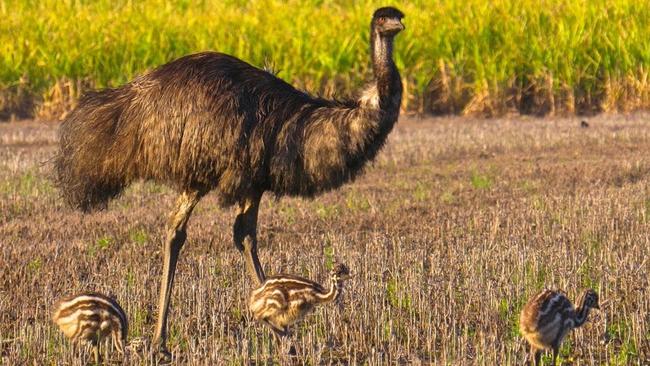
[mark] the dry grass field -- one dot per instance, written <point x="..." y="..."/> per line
<point x="456" y="224"/>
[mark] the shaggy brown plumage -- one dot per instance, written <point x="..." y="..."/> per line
<point x="211" y="122"/>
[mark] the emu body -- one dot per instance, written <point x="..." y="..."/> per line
<point x="212" y="123"/>
<point x="92" y="317"/>
<point x="549" y="316"/>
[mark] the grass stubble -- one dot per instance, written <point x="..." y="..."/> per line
<point x="456" y="224"/>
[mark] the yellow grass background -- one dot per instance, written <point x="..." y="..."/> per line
<point x="467" y="57"/>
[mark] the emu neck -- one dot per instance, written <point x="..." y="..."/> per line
<point x="582" y="313"/>
<point x="333" y="293"/>
<point x="389" y="84"/>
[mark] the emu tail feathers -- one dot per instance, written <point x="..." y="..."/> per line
<point x="88" y="168"/>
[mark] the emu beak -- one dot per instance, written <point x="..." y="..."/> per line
<point x="394" y="26"/>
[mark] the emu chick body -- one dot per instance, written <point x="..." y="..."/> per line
<point x="92" y="317"/>
<point x="549" y="316"/>
<point x="284" y="300"/>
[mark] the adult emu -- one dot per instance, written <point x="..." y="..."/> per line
<point x="211" y="122"/>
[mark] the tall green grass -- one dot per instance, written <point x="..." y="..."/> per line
<point x="470" y="56"/>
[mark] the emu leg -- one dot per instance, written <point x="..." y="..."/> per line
<point x="537" y="356"/>
<point x="119" y="345"/>
<point x="118" y="342"/>
<point x="279" y="332"/>
<point x="106" y="358"/>
<point x="556" y="352"/>
<point x="176" y="236"/>
<point x="285" y="337"/>
<point x="96" y="352"/>
<point x="94" y="342"/>
<point x="245" y="236"/>
<point x="280" y="335"/>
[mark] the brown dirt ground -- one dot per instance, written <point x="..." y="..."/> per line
<point x="455" y="225"/>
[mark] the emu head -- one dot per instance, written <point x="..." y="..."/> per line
<point x="340" y="272"/>
<point x="387" y="21"/>
<point x="591" y="299"/>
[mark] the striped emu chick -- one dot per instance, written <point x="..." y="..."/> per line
<point x="91" y="317"/>
<point x="549" y="316"/>
<point x="283" y="300"/>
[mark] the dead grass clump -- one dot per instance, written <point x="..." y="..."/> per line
<point x="626" y="93"/>
<point x="446" y="93"/>
<point x="542" y="96"/>
<point x="535" y="96"/>
<point x="16" y="101"/>
<point x="61" y="98"/>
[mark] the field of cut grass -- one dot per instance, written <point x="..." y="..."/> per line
<point x="469" y="57"/>
<point x="456" y="224"/>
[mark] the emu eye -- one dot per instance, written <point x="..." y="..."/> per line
<point x="381" y="20"/>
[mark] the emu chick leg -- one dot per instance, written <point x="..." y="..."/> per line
<point x="245" y="237"/>
<point x="537" y="355"/>
<point x="96" y="352"/>
<point x="281" y="335"/>
<point x="278" y="332"/>
<point x="176" y="236"/>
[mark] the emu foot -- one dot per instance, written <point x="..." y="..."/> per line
<point x="287" y="348"/>
<point x="292" y="351"/>
<point x="160" y="355"/>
